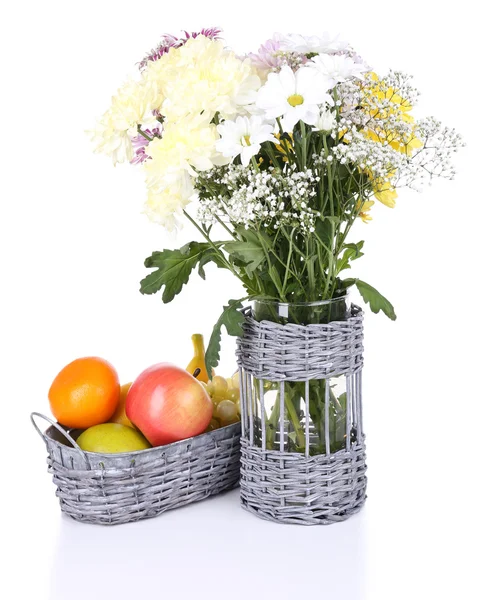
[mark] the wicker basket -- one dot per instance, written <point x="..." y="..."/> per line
<point x="303" y="487"/>
<point x="109" y="489"/>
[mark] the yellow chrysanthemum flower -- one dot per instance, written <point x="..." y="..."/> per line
<point x="398" y="142"/>
<point x="283" y="146"/>
<point x="396" y="109"/>
<point x="378" y="90"/>
<point x="364" y="207"/>
<point x="384" y="192"/>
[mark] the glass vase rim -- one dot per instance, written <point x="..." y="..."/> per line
<point x="312" y="303"/>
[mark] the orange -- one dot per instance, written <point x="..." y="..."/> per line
<point x="85" y="393"/>
<point x="119" y="415"/>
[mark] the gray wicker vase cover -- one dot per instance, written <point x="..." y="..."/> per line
<point x="109" y="489"/>
<point x="321" y="479"/>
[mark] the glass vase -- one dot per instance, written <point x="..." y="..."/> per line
<point x="294" y="416"/>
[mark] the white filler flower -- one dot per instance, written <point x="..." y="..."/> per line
<point x="337" y="69"/>
<point x="293" y="96"/>
<point x="243" y="136"/>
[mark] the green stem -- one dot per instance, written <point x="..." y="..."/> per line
<point x="224" y="260"/>
<point x="295" y="421"/>
<point x="330" y="180"/>
<point x="304" y="144"/>
<point x="280" y="261"/>
<point x="272" y="423"/>
<point x="330" y="269"/>
<point x="141" y="132"/>
<point x="286" y="275"/>
<point x="290" y="412"/>
<point x="293" y="272"/>
<point x="269" y="147"/>
<point x="310" y="270"/>
<point x="219" y="220"/>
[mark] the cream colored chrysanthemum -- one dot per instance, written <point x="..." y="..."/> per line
<point x="132" y="106"/>
<point x="187" y="144"/>
<point x="184" y="148"/>
<point x="203" y="77"/>
<point x="167" y="199"/>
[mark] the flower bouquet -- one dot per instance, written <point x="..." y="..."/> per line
<point x="273" y="157"/>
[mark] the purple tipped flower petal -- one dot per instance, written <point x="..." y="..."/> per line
<point x="140" y="143"/>
<point x="267" y="55"/>
<point x="169" y="41"/>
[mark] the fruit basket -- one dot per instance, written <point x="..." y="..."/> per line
<point x="109" y="489"/>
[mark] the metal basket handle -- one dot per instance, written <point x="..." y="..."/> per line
<point x="59" y="428"/>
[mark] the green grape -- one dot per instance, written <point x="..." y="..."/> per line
<point x="227" y="411"/>
<point x="216" y="400"/>
<point x="214" y="424"/>
<point x="236" y="419"/>
<point x="209" y="388"/>
<point x="233" y="394"/>
<point x="235" y="381"/>
<point x="238" y="406"/>
<point x="220" y="386"/>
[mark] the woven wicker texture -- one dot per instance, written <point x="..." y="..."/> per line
<point x="109" y="489"/>
<point x="293" y="487"/>
<point x="301" y="352"/>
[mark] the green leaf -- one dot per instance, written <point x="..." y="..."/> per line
<point x="275" y="277"/>
<point x="207" y="257"/>
<point x="173" y="269"/>
<point x="232" y="318"/>
<point x="375" y="299"/>
<point x="354" y="251"/>
<point x="351" y="252"/>
<point x="344" y="284"/>
<point x="324" y="231"/>
<point x="249" y="250"/>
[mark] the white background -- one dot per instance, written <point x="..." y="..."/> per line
<point x="73" y="240"/>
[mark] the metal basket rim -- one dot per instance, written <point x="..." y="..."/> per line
<point x="224" y="433"/>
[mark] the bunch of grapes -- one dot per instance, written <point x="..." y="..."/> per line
<point x="226" y="399"/>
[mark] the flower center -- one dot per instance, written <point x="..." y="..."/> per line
<point x="246" y="140"/>
<point x="295" y="100"/>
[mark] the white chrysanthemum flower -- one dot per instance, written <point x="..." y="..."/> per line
<point x="188" y="144"/>
<point x="337" y="68"/>
<point x="243" y="136"/>
<point x="324" y="44"/>
<point x="203" y="77"/>
<point x="169" y="197"/>
<point x="113" y="143"/>
<point x="293" y="96"/>
<point x="184" y="148"/>
<point x="132" y="106"/>
<point x="325" y="122"/>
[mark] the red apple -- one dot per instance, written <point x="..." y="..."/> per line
<point x="167" y="404"/>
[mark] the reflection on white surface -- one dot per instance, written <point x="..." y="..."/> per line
<point x="211" y="549"/>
